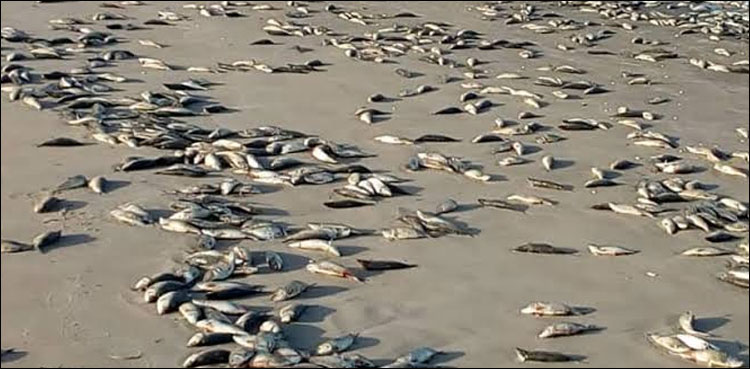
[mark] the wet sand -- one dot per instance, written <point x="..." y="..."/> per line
<point x="72" y="305"/>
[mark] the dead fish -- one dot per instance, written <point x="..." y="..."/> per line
<point x="332" y="269"/>
<point x="72" y="183"/>
<point x="622" y="165"/>
<point x="384" y="265"/>
<point x="502" y="204"/>
<point x="402" y="233"/>
<point x="531" y="200"/>
<point x="720" y="236"/>
<point x="446" y="206"/>
<point x="290" y="291"/>
<point x="565" y="329"/>
<point x="416" y="357"/>
<point x="46" y="204"/>
<point x="448" y="110"/>
<point x="336" y="345"/>
<point x="600" y="182"/>
<point x="540" y="309"/>
<point x="600" y="250"/>
<point x="346" y="204"/>
<point x="405" y="73"/>
<point x="543" y="248"/>
<point x="178" y="226"/>
<point x="191" y="313"/>
<point x="544" y="356"/>
<point x="205" y="358"/>
<point x="158" y="289"/>
<point x="171" y="301"/>
<point x="730" y="170"/>
<point x="98" y="184"/>
<point x="713" y="358"/>
<point x="540" y="183"/>
<point x="61" y="142"/>
<point x="183" y="170"/>
<point x="548" y="161"/>
<point x="291" y="312"/>
<point x="215" y="326"/>
<point x="46" y="239"/>
<point x="686" y="322"/>
<point x="393" y="140"/>
<point x="225" y="307"/>
<point x="201" y="339"/>
<point x="706" y="252"/>
<point x="150" y="43"/>
<point x="274" y="261"/>
<point x="32" y="102"/>
<point x="488" y="137"/>
<point x="316" y="245"/>
<point x="629" y="210"/>
<point x="11" y="247"/>
<point x="731" y="279"/>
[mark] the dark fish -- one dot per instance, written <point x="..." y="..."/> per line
<point x="205" y="358"/>
<point x="11" y="247"/>
<point x="263" y="41"/>
<point x="544" y="356"/>
<point x="623" y="165"/>
<point x="240" y="358"/>
<point x="208" y="339"/>
<point x="593" y="183"/>
<point x="234" y="293"/>
<point x="502" y="204"/>
<point x="354" y="168"/>
<point x="157" y="22"/>
<point x="541" y="183"/>
<point x="346" y="204"/>
<point x="46" y="239"/>
<point x="436" y="138"/>
<point x="448" y="110"/>
<point x="721" y="236"/>
<point x="543" y="248"/>
<point x="216" y="109"/>
<point x="72" y="183"/>
<point x="61" y="142"/>
<point x="384" y="265"/>
<point x="251" y="321"/>
<point x="183" y="170"/>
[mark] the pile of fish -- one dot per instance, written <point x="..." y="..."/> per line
<point x="693" y="345"/>
<point x="206" y="286"/>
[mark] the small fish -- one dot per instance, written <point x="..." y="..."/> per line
<point x="150" y="43"/>
<point x="46" y="239"/>
<point x="566" y="329"/>
<point x="600" y="250"/>
<point x="225" y="307"/>
<point x="336" y="345"/>
<point x="531" y="200"/>
<point x="720" y="236"/>
<point x="190" y="312"/>
<point x="316" y="245"/>
<point x="291" y="312"/>
<point x="544" y="356"/>
<point x="61" y="142"/>
<point x="47" y="204"/>
<point x="72" y="183"/>
<point x="215" y="326"/>
<point x="346" y="204"/>
<point x="374" y="265"/>
<point x="543" y="248"/>
<point x="98" y="184"/>
<point x="540" y="309"/>
<point x="686" y="322"/>
<point x="541" y="183"/>
<point x="201" y="339"/>
<point x="600" y="182"/>
<point x="205" y="358"/>
<point x="706" y="252"/>
<point x="713" y="358"/>
<point x="12" y="247"/>
<point x="290" y="291"/>
<point x="446" y="206"/>
<point x="332" y="269"/>
<point x="171" y="301"/>
<point x="502" y="204"/>
<point x="730" y="170"/>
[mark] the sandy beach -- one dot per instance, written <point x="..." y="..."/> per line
<point x="72" y="304"/>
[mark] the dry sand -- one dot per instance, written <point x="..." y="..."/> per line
<point x="72" y="306"/>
